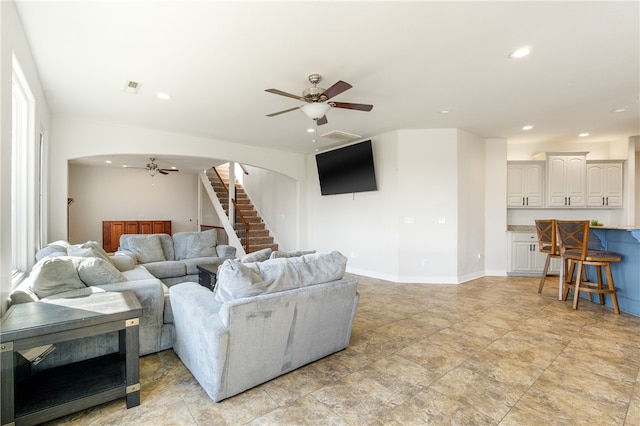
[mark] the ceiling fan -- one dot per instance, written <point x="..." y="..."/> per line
<point x="316" y="100"/>
<point x="153" y="169"/>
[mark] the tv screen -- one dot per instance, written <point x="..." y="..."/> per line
<point x="347" y="170"/>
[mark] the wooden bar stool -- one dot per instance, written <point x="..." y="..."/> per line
<point x="574" y="246"/>
<point x="547" y="243"/>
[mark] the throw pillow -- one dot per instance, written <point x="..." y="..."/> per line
<point x="236" y="280"/>
<point x="288" y="273"/>
<point x="97" y="271"/>
<point x="79" y="251"/>
<point x="54" y="275"/>
<point x="257" y="256"/>
<point x="147" y="248"/>
<point x="280" y="254"/>
<point x="200" y="244"/>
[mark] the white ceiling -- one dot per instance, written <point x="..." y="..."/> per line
<point x="409" y="59"/>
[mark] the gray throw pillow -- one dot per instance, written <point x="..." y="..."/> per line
<point x="55" y="275"/>
<point x="257" y="256"/>
<point x="97" y="271"/>
<point x="280" y="254"/>
<point x="236" y="280"/>
<point x="200" y="244"/>
<point x="147" y="248"/>
<point x="79" y="251"/>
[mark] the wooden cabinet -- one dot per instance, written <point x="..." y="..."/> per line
<point x="526" y="259"/>
<point x="566" y="179"/>
<point x="112" y="229"/>
<point x="525" y="183"/>
<point x="604" y="184"/>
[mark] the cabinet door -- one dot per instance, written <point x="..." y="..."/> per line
<point x="575" y="180"/>
<point x="521" y="257"/>
<point x="162" y="227"/>
<point x="131" y="227"/>
<point x="515" y="185"/>
<point x="146" y="227"/>
<point x="613" y="185"/>
<point x="595" y="185"/>
<point x="533" y="185"/>
<point x="556" y="187"/>
<point x="111" y="231"/>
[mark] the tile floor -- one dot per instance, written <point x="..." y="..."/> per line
<point x="488" y="352"/>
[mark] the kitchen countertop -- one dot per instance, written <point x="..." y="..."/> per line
<point x="532" y="228"/>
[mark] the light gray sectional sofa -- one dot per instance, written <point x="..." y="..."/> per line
<point x="175" y="259"/>
<point x="64" y="270"/>
<point x="263" y="320"/>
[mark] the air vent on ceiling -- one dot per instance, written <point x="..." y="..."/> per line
<point x="132" y="87"/>
<point x="341" y="136"/>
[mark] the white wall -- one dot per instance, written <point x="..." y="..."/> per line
<point x="102" y="193"/>
<point x="275" y="196"/>
<point x="496" y="237"/>
<point x="75" y="138"/>
<point x="13" y="42"/>
<point x="471" y="206"/>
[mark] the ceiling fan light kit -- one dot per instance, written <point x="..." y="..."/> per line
<point x="315" y="110"/>
<point x="316" y="100"/>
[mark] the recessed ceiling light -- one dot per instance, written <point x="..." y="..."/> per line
<point x="445" y="111"/>
<point x="108" y="161"/>
<point x="583" y="135"/>
<point x="527" y="127"/>
<point x="520" y="52"/>
<point x="163" y="96"/>
<point x="310" y="130"/>
<point x="616" y="110"/>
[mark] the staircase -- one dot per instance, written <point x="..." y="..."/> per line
<point x="258" y="235"/>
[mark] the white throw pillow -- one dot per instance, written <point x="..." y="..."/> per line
<point x="147" y="248"/>
<point x="97" y="271"/>
<point x="55" y="275"/>
<point x="257" y="256"/>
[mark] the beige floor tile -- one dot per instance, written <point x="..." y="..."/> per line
<point x="487" y="352"/>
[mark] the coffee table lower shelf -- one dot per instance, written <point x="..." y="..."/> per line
<point x="66" y="389"/>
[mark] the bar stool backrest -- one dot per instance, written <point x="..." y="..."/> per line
<point x="547" y="243"/>
<point x="574" y="238"/>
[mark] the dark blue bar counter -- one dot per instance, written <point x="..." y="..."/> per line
<point x="626" y="274"/>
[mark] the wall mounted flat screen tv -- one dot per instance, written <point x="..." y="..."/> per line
<point x="347" y="170"/>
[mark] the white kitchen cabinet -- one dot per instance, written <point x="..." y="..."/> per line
<point x="526" y="259"/>
<point x="525" y="184"/>
<point x="604" y="184"/>
<point x="566" y="179"/>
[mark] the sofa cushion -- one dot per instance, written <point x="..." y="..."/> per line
<point x="257" y="256"/>
<point x="79" y="251"/>
<point x="167" y="269"/>
<point x="55" y="275"/>
<point x="279" y="254"/>
<point x="187" y="244"/>
<point x="200" y="245"/>
<point x="237" y="279"/>
<point x="147" y="248"/>
<point x="51" y="250"/>
<point x="97" y="271"/>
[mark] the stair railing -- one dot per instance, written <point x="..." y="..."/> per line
<point x="237" y="213"/>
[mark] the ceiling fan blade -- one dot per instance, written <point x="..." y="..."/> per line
<point x="336" y="89"/>
<point x="322" y="120"/>
<point x="273" y="114"/>
<point x="162" y="172"/>
<point x="349" y="105"/>
<point x="168" y="170"/>
<point x="288" y="95"/>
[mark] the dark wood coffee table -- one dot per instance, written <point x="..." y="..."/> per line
<point x="207" y="275"/>
<point x="62" y="390"/>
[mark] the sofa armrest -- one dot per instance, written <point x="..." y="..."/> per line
<point x="201" y="340"/>
<point x="226" y="251"/>
<point x="150" y="294"/>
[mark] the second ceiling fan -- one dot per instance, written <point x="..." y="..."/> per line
<point x="317" y="98"/>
